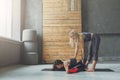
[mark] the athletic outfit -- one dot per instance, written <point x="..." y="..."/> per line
<point x="76" y="66"/>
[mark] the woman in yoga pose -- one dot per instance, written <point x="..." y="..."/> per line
<point x="77" y="40"/>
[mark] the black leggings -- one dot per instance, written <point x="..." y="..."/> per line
<point x="74" y="64"/>
<point x="93" y="48"/>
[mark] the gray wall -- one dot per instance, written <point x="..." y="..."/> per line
<point x="103" y="16"/>
<point x="10" y="52"/>
<point x="33" y="20"/>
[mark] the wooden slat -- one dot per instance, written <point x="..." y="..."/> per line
<point x="78" y="29"/>
<point x="76" y="16"/>
<point x="59" y="33"/>
<point x="45" y="1"/>
<point x="60" y="53"/>
<point x="58" y="50"/>
<point x="66" y="48"/>
<point x="55" y="9"/>
<point x="59" y="30"/>
<point x="61" y="24"/>
<point x="55" y="43"/>
<point x="61" y="13"/>
<point x="79" y="6"/>
<point x="54" y="5"/>
<point x="55" y="38"/>
<point x="61" y="27"/>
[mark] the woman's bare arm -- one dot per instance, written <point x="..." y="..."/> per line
<point x="76" y="49"/>
<point x="79" y="44"/>
<point x="82" y="47"/>
<point x="66" y="65"/>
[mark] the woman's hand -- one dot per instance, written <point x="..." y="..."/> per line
<point x="66" y="64"/>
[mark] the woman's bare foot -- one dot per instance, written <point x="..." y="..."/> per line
<point x="90" y="70"/>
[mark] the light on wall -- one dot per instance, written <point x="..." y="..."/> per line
<point x="73" y="5"/>
<point x="5" y="18"/>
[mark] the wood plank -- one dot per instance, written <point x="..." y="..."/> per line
<point x="76" y="16"/>
<point x="61" y="22"/>
<point x="57" y="53"/>
<point x="62" y="17"/>
<point x="79" y="6"/>
<point x="44" y="1"/>
<point x="59" y="30"/>
<point x="60" y="13"/>
<point x="60" y="53"/>
<point x="58" y="47"/>
<point x="54" y="5"/>
<point x="55" y="38"/>
<point x="62" y="25"/>
<point x="58" y="9"/>
<point x="55" y="43"/>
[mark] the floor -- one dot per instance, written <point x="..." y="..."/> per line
<point x="33" y="72"/>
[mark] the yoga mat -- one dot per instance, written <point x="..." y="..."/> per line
<point x="96" y="70"/>
<point x="29" y="35"/>
<point x="30" y="46"/>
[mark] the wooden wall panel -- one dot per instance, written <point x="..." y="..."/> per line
<point x="58" y="20"/>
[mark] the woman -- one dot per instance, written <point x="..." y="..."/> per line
<point x="70" y="66"/>
<point x="78" y="40"/>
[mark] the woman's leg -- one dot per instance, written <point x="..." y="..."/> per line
<point x="89" y="57"/>
<point x="95" y="48"/>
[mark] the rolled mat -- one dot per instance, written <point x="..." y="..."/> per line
<point x="31" y="58"/>
<point x="29" y="35"/>
<point x="30" y="46"/>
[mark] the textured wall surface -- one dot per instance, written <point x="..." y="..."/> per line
<point x="10" y="52"/>
<point x="108" y="15"/>
<point x="59" y="18"/>
<point x="33" y="14"/>
<point x="33" y="19"/>
<point x="103" y="16"/>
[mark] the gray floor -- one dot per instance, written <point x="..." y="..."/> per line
<point x="33" y="72"/>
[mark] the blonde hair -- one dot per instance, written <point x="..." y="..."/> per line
<point x="77" y="37"/>
<point x="72" y="41"/>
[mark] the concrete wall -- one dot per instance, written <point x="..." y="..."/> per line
<point x="33" y="19"/>
<point x="10" y="51"/>
<point x="103" y="16"/>
<point x="98" y="16"/>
